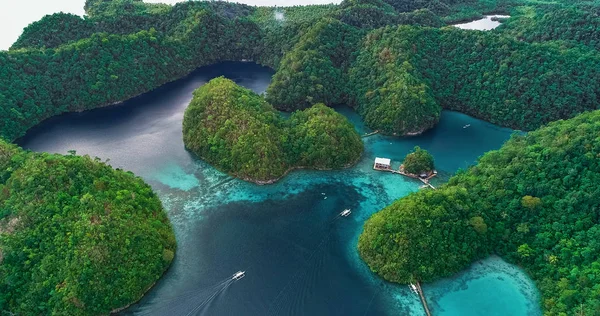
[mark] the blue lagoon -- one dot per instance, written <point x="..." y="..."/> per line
<point x="299" y="256"/>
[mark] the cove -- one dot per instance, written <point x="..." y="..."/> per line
<point x="299" y="256"/>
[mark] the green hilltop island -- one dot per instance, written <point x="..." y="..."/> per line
<point x="78" y="237"/>
<point x="238" y="132"/>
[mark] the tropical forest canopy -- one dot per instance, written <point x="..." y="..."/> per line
<point x="398" y="78"/>
<point x="418" y="161"/>
<point x="76" y="236"/>
<point x="237" y="131"/>
<point x="535" y="202"/>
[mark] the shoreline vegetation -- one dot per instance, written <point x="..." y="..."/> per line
<point x="98" y="237"/>
<point x="533" y="202"/>
<point x="272" y="181"/>
<point x="395" y="61"/>
<point x="239" y="133"/>
<point x="353" y="53"/>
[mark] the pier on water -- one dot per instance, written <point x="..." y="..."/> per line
<point x="384" y="164"/>
<point x="370" y="134"/>
<point x="423" y="300"/>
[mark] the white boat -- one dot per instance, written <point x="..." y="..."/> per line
<point x="238" y="275"/>
<point x="468" y="125"/>
<point x="345" y="212"/>
<point x="414" y="289"/>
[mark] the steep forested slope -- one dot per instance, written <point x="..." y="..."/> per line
<point x="76" y="236"/>
<point x="126" y="47"/>
<point x="535" y="202"/>
<point x="240" y="133"/>
<point x="483" y="74"/>
<point x="103" y="69"/>
<point x="571" y="25"/>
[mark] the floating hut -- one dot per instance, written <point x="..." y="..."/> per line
<point x="382" y="164"/>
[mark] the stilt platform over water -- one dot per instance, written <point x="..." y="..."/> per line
<point x="384" y="164"/>
<point x="423" y="300"/>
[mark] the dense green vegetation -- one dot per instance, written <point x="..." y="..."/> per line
<point x="484" y="74"/>
<point x="312" y="72"/>
<point x="240" y="133"/>
<point x="418" y="161"/>
<point x="534" y="202"/>
<point x="399" y="78"/>
<point x="391" y="95"/>
<point x="571" y="25"/>
<point x="76" y="236"/>
<point x="127" y="47"/>
<point x="103" y="69"/>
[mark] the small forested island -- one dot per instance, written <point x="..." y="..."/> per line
<point x="76" y="236"/>
<point x="534" y="202"/>
<point x="418" y="161"/>
<point x="238" y="132"/>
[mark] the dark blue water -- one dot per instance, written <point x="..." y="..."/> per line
<point x="299" y="256"/>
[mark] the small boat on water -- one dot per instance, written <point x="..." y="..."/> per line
<point x="413" y="288"/>
<point x="345" y="212"/>
<point x="238" y="275"/>
<point x="468" y="125"/>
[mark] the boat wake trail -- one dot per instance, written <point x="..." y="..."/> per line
<point x="192" y="302"/>
<point x="307" y="277"/>
<point x="301" y="278"/>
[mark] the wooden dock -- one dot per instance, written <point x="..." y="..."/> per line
<point x="427" y="183"/>
<point x="423" y="300"/>
<point x="413" y="176"/>
<point x="370" y="134"/>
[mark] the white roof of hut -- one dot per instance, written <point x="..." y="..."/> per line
<point x="382" y="161"/>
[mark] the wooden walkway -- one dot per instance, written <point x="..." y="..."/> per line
<point x="370" y="134"/>
<point x="423" y="300"/>
<point x="425" y="181"/>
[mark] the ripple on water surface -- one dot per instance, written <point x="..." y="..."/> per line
<point x="300" y="256"/>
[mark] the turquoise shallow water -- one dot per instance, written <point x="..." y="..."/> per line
<point x="300" y="256"/>
<point x="490" y="287"/>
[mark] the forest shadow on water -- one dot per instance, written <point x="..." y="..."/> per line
<point x="300" y="258"/>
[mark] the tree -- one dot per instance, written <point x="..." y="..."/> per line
<point x="531" y="202"/>
<point x="478" y="224"/>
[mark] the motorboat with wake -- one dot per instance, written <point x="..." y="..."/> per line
<point x="238" y="275"/>
<point x="345" y="212"/>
